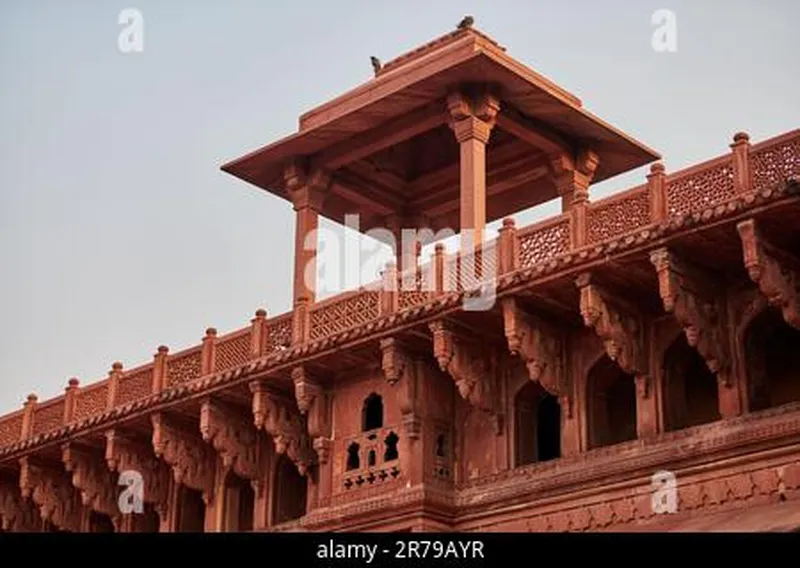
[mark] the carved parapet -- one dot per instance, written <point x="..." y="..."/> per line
<point x="539" y="346"/>
<point x="279" y="417"/>
<point x="92" y="479"/>
<point x="125" y="454"/>
<point x="52" y="493"/>
<point x="400" y="369"/>
<point x="620" y="329"/>
<point x="773" y="270"/>
<point x="689" y="296"/>
<point x="192" y="461"/>
<point x="16" y="514"/>
<point x="233" y="437"/>
<point x="469" y="365"/>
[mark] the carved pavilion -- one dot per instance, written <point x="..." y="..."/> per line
<point x="655" y="330"/>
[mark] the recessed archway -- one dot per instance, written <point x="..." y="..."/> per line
<point x="611" y="404"/>
<point x="191" y="510"/>
<point x="239" y="504"/>
<point x="537" y="422"/>
<point x="691" y="394"/>
<point x="289" y="492"/>
<point x="772" y="355"/>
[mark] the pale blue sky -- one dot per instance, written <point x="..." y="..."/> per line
<point x="118" y="232"/>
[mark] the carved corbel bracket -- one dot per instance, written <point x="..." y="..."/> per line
<point x="689" y="296"/>
<point x="473" y="116"/>
<point x="92" y="479"/>
<point x="192" y="461"/>
<point x="307" y="187"/>
<point x="126" y="454"/>
<point x="52" y="493"/>
<point x="400" y="369"/>
<point x="572" y="176"/>
<point x="16" y="514"/>
<point x="279" y="417"/>
<point x="234" y="438"/>
<point x="469" y="366"/>
<point x="539" y="346"/>
<point x="773" y="270"/>
<point x="313" y="403"/>
<point x="620" y="330"/>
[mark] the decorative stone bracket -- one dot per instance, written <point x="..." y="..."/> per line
<point x="234" y="439"/>
<point x="541" y="348"/>
<point x="620" y="330"/>
<point x="470" y="367"/>
<point x="125" y="454"/>
<point x="689" y="296"/>
<point x="52" y="493"/>
<point x="281" y="419"/>
<point x="192" y="461"/>
<point x="92" y="479"/>
<point x="16" y="514"/>
<point x="773" y="270"/>
<point x="314" y="404"/>
<point x="400" y="368"/>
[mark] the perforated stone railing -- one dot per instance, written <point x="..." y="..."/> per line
<point x="745" y="169"/>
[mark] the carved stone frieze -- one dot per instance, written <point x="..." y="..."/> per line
<point x="93" y="480"/>
<point x="234" y="438"/>
<point x="539" y="346"/>
<point x="689" y="296"/>
<point x="279" y="417"/>
<point x="773" y="270"/>
<point x="126" y="454"/>
<point x="52" y="493"/>
<point x="192" y="461"/>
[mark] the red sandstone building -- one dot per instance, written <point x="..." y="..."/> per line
<point x="655" y="330"/>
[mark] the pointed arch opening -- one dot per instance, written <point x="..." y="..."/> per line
<point x="147" y="522"/>
<point x="191" y="510"/>
<point x="537" y="418"/>
<point x="611" y="404"/>
<point x="239" y="504"/>
<point x="691" y="394"/>
<point x="772" y="355"/>
<point x="100" y="523"/>
<point x="289" y="492"/>
<point x="372" y="413"/>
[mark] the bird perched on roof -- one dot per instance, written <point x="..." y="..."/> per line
<point x="466" y="23"/>
<point x="376" y="64"/>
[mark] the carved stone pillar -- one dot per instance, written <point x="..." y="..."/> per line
<point x="541" y="348"/>
<point x="307" y="192"/>
<point x="622" y="331"/>
<point x="691" y="297"/>
<point x="315" y="405"/>
<point x="572" y="178"/>
<point x="472" y="119"/>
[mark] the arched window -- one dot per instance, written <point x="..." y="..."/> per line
<point x="537" y="425"/>
<point x="289" y="492"/>
<point x="239" y="504"/>
<point x="690" y="388"/>
<point x="772" y="351"/>
<point x="372" y="413"/>
<point x="353" y="460"/>
<point x="391" y="447"/>
<point x="612" y="404"/>
<point x="441" y="446"/>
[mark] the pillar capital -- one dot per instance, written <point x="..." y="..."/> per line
<point x="472" y="117"/>
<point x="307" y="189"/>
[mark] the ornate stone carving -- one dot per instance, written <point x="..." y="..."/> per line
<point x="689" y="296"/>
<point x="192" y="461"/>
<point x="539" y="347"/>
<point x="400" y="370"/>
<point x="313" y="403"/>
<point x="126" y="454"/>
<point x="92" y="479"/>
<point x="233" y="437"/>
<point x="52" y="493"/>
<point x="774" y="270"/>
<point x="620" y="330"/>
<point x="470" y="367"/>
<point x="16" y="514"/>
<point x="281" y="419"/>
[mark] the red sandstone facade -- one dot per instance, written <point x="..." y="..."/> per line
<point x="654" y="330"/>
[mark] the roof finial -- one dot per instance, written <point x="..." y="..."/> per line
<point x="466" y="23"/>
<point x="376" y="64"/>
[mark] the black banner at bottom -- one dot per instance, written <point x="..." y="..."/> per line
<point x="408" y="549"/>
